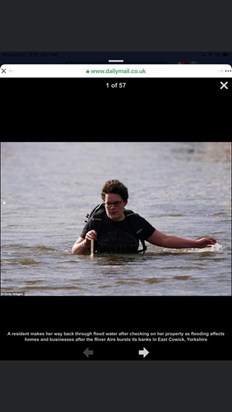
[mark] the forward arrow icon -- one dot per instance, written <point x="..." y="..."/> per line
<point x="143" y="352"/>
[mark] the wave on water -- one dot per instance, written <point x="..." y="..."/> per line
<point x="20" y="261"/>
<point x="212" y="249"/>
<point x="36" y="248"/>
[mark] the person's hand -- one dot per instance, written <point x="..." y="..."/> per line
<point x="91" y="235"/>
<point x="206" y="242"/>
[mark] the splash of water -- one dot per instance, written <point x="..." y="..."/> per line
<point x="215" y="248"/>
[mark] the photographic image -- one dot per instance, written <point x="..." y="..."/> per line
<point x="180" y="188"/>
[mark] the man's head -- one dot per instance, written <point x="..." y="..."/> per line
<point x="116" y="187"/>
<point x="115" y="196"/>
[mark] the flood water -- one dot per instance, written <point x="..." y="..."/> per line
<point x="181" y="188"/>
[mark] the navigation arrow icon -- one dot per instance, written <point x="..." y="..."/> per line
<point x="88" y="352"/>
<point x="143" y="352"/>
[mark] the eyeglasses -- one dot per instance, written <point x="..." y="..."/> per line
<point x="116" y="204"/>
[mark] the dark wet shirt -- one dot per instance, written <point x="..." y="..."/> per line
<point x="118" y="236"/>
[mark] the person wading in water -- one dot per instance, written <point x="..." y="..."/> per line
<point x="115" y="229"/>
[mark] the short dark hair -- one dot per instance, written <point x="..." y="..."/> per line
<point x="114" y="186"/>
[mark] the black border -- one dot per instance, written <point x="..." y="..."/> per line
<point x="102" y="57"/>
<point x="79" y="109"/>
<point x="127" y="313"/>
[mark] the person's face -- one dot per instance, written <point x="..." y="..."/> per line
<point x="114" y="205"/>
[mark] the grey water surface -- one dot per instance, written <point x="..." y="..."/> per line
<point x="47" y="188"/>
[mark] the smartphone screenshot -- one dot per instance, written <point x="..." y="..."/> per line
<point x="157" y="129"/>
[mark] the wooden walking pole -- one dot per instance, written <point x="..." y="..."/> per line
<point x="92" y="248"/>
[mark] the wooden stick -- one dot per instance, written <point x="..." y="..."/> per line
<point x="92" y="248"/>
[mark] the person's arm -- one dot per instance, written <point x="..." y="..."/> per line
<point x="161" y="239"/>
<point x="82" y="245"/>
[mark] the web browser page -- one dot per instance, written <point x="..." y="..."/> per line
<point x="164" y="130"/>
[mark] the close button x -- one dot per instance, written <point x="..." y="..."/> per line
<point x="224" y="85"/>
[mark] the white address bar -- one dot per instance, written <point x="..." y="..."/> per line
<point x="116" y="70"/>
